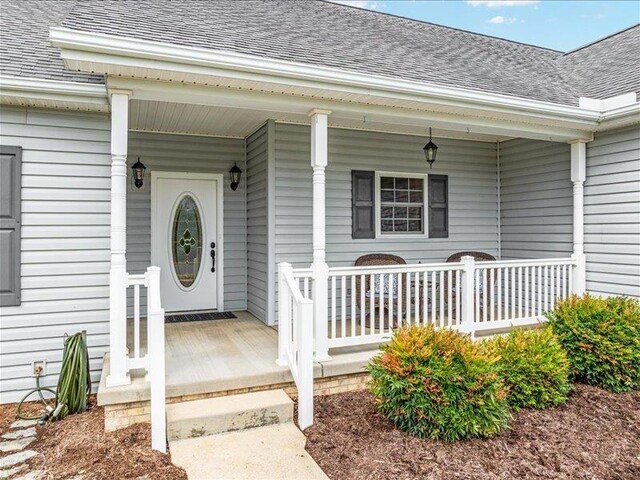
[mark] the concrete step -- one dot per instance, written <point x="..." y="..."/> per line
<point x="231" y="413"/>
<point x="273" y="452"/>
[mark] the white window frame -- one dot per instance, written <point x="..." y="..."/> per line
<point x="425" y="205"/>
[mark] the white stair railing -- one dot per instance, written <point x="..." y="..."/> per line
<point x="153" y="361"/>
<point x="295" y="340"/>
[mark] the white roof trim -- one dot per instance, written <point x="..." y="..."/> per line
<point x="25" y="91"/>
<point x="163" y="54"/>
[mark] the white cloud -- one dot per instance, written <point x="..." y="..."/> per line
<point x="500" y="19"/>
<point x="501" y="3"/>
<point x="368" y="4"/>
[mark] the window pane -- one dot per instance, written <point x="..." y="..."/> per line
<point x="402" y="183"/>
<point x="415" y="225"/>
<point x="400" y="212"/>
<point x="402" y="196"/>
<point x="415" y="197"/>
<point x="386" y="182"/>
<point x="386" y="225"/>
<point x="416" y="183"/>
<point x="400" y="225"/>
<point x="415" y="212"/>
<point x="386" y="212"/>
<point x="387" y="195"/>
<point x="187" y="241"/>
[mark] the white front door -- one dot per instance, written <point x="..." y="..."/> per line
<point x="186" y="239"/>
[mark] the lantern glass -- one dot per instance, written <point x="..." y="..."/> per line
<point x="235" y="173"/>
<point x="138" y="169"/>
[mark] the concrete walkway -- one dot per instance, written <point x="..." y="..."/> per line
<point x="274" y="452"/>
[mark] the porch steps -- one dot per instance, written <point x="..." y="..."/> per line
<point x="230" y="413"/>
<point x="250" y="435"/>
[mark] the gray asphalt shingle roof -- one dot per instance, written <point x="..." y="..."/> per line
<point x="327" y="34"/>
<point x="25" y="50"/>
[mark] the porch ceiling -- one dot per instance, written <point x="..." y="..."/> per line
<point x="211" y="120"/>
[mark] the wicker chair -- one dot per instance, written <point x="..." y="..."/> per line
<point x="377" y="259"/>
<point x="478" y="256"/>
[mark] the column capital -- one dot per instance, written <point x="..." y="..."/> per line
<point x="318" y="111"/>
<point x="119" y="91"/>
<point x="579" y="140"/>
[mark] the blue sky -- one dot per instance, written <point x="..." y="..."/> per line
<point x="560" y="25"/>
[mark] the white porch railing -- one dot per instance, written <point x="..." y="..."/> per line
<point x="367" y="303"/>
<point x="153" y="361"/>
<point x="295" y="340"/>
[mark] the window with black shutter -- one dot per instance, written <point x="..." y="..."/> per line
<point x="438" y="192"/>
<point x="10" y="170"/>
<point x="362" y="204"/>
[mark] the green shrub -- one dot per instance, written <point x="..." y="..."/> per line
<point x="602" y="339"/>
<point x="533" y="366"/>
<point x="439" y="384"/>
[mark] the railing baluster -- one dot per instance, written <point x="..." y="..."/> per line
<point x="499" y="301"/>
<point x="400" y="323"/>
<point x="343" y="306"/>
<point x="457" y="297"/>
<point x="433" y="299"/>
<point x="425" y="299"/>
<point x="546" y="288"/>
<point x="372" y="304"/>
<point x="441" y="288"/>
<point x="306" y="287"/>
<point x="408" y="300"/>
<point x="352" y="299"/>
<point x="363" y="306"/>
<point x="136" y="320"/>
<point x="392" y="298"/>
<point x="381" y="306"/>
<point x="486" y="291"/>
<point x="449" y="297"/>
<point x="526" y="292"/>
<point x="519" y="292"/>
<point x="333" y="307"/>
<point x="416" y="297"/>
<point x="477" y="287"/>
<point x="492" y="282"/>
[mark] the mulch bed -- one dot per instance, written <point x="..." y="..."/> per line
<point x="78" y="445"/>
<point x="596" y="435"/>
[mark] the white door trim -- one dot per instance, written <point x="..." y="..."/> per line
<point x="219" y="177"/>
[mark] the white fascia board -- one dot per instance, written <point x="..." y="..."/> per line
<point x="164" y="54"/>
<point x="605" y="105"/>
<point x="54" y="91"/>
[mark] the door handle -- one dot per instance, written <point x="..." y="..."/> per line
<point x="213" y="256"/>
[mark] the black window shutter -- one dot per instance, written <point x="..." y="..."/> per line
<point x="10" y="171"/>
<point x="363" y="204"/>
<point x="438" y="206"/>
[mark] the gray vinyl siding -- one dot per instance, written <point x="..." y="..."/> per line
<point x="612" y="213"/>
<point x="257" y="241"/>
<point x="536" y="199"/>
<point x="194" y="154"/>
<point x="65" y="191"/>
<point x="473" y="197"/>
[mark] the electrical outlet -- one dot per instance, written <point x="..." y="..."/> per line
<point x="39" y="366"/>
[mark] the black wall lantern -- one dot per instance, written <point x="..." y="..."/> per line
<point x="235" y="173"/>
<point x="430" y="150"/>
<point x="138" y="173"/>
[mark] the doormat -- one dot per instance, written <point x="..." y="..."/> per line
<point x="197" y="317"/>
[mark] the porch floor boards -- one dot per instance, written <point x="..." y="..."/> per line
<point x="211" y="356"/>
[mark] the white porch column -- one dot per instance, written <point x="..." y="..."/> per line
<point x="578" y="176"/>
<point x="319" y="157"/>
<point x="118" y="374"/>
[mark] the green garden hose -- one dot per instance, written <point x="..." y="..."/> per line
<point x="74" y="383"/>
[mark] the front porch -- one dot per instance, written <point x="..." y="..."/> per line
<point x="220" y="357"/>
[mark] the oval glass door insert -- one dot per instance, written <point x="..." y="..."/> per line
<point x="186" y="241"/>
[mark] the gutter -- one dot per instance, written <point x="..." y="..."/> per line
<point x="53" y="92"/>
<point x="78" y="45"/>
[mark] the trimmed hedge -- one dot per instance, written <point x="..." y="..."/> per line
<point x="533" y="366"/>
<point x="602" y="339"/>
<point x="439" y="384"/>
